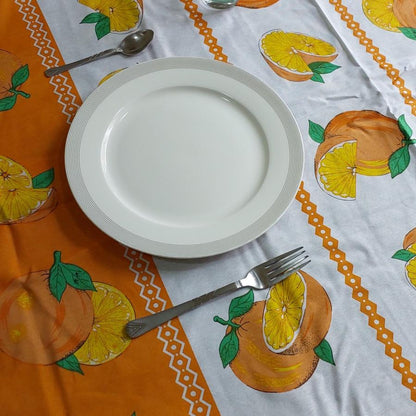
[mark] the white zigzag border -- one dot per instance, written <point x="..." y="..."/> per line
<point x="47" y="53"/>
<point x="168" y="334"/>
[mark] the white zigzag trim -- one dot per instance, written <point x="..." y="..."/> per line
<point x="168" y="334"/>
<point x="43" y="43"/>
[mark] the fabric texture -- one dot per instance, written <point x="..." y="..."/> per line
<point x="335" y="339"/>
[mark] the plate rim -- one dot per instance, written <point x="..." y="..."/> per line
<point x="182" y="251"/>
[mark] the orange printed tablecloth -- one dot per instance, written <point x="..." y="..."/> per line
<point x="335" y="339"/>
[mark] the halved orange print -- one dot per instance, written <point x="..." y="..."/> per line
<point x="261" y="369"/>
<point x="107" y="340"/>
<point x="359" y="142"/>
<point x="113" y="15"/>
<point x="296" y="56"/>
<point x="381" y="14"/>
<point x="408" y="255"/>
<point x="392" y="15"/>
<point x="274" y="345"/>
<point x="23" y="198"/>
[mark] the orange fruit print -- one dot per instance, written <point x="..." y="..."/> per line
<point x="35" y="327"/>
<point x="359" y="143"/>
<point x="255" y="4"/>
<point x="248" y="346"/>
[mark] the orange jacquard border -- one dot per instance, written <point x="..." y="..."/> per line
<point x="391" y="71"/>
<point x="204" y="30"/>
<point x="359" y="293"/>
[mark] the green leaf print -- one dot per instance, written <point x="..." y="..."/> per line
<point x="77" y="277"/>
<point x="316" y="132"/>
<point x="102" y="27"/>
<point x="399" y="161"/>
<point x="322" y="67"/>
<point x="70" y="363"/>
<point x="44" y="179"/>
<point x="324" y="352"/>
<point x="241" y="305"/>
<point x="92" y="17"/>
<point x="20" y="76"/>
<point x="57" y="281"/>
<point x="317" y="78"/>
<point x="409" y="32"/>
<point x="8" y="102"/>
<point x="229" y="347"/>
<point x="102" y="23"/>
<point x="404" y="127"/>
<point x="404" y="255"/>
<point x="63" y="274"/>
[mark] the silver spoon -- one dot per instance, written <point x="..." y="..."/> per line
<point x="220" y="4"/>
<point x="130" y="45"/>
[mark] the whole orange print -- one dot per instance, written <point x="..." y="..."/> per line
<point x="274" y="345"/>
<point x="359" y="143"/>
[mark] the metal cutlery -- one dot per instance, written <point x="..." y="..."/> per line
<point x="262" y="276"/>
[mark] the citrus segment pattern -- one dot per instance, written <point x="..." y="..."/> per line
<point x="283" y="314"/>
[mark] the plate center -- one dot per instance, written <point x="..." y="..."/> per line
<point x="184" y="156"/>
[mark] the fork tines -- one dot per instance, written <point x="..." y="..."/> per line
<point x="287" y="263"/>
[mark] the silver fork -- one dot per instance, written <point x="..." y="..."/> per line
<point x="262" y="276"/>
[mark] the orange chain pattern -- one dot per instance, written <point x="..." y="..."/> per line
<point x="359" y="293"/>
<point x="392" y="72"/>
<point x="204" y="30"/>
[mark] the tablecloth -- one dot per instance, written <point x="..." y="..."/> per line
<point x="345" y="68"/>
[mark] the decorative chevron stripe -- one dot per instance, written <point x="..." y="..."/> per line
<point x="359" y="293"/>
<point x="150" y="290"/>
<point x="47" y="52"/>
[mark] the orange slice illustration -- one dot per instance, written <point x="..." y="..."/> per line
<point x="391" y="14"/>
<point x="260" y="368"/>
<point x="355" y="142"/>
<point x="284" y="310"/>
<point x="20" y="201"/>
<point x="278" y="337"/>
<point x="107" y="340"/>
<point x="381" y="14"/>
<point x="290" y="54"/>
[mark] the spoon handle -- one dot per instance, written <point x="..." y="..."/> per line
<point x="59" y="69"/>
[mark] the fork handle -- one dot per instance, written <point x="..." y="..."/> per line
<point x="140" y="326"/>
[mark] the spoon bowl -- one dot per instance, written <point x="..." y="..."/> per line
<point x="135" y="42"/>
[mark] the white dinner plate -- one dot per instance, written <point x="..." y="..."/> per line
<point x="184" y="157"/>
